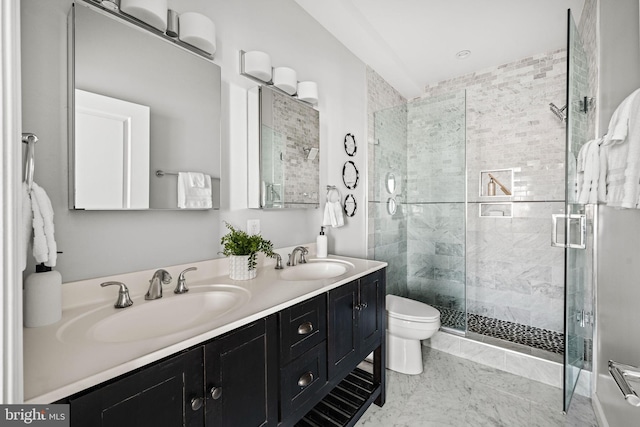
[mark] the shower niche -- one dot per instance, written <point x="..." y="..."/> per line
<point x="496" y="183"/>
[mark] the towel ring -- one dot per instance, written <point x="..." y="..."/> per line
<point x="333" y="194"/>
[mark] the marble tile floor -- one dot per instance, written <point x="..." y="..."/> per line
<point x="456" y="392"/>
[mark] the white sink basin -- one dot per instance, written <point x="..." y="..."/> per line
<point x="316" y="270"/>
<point x="169" y="315"/>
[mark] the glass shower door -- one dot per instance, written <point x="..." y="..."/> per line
<point x="577" y="331"/>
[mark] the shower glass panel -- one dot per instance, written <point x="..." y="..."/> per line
<point x="578" y="331"/>
<point x="423" y="144"/>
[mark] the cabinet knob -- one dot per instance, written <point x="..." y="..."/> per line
<point x="305" y="379"/>
<point x="196" y="403"/>
<point x="216" y="392"/>
<point x="305" y="328"/>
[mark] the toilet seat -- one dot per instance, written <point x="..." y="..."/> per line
<point x="410" y="310"/>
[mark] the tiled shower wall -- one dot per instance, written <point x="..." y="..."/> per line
<point x="513" y="273"/>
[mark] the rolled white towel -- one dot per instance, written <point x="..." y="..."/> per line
<point x="44" y="243"/>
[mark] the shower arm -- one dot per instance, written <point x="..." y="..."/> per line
<point x="504" y="189"/>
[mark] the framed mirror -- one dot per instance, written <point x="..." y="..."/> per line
<point x="350" y="175"/>
<point x="284" y="141"/>
<point x="350" y="146"/>
<point x="350" y="205"/>
<point x="137" y="104"/>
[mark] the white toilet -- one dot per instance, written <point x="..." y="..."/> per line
<point x="408" y="322"/>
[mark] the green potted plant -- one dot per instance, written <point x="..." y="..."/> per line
<point x="242" y="249"/>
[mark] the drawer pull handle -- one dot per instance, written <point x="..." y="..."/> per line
<point x="305" y="379"/>
<point x="216" y="392"/>
<point x="305" y="328"/>
<point x="196" y="403"/>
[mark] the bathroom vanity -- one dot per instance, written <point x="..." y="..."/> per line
<point x="287" y="354"/>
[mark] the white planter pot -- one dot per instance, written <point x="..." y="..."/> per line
<point x="239" y="268"/>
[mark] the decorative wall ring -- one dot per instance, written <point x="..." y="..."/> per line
<point x="350" y="205"/>
<point x="350" y="175"/>
<point x="350" y="146"/>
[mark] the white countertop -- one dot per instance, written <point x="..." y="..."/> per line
<point x="55" y="368"/>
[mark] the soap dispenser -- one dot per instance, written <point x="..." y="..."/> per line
<point x="42" y="297"/>
<point x="321" y="244"/>
<point x="491" y="187"/>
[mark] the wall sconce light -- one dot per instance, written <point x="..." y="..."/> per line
<point x="198" y="30"/>
<point x="256" y="64"/>
<point x="308" y="92"/>
<point x="285" y="79"/>
<point x="152" y="12"/>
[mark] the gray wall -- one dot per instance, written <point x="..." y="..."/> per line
<point x="105" y="243"/>
<point x="618" y="262"/>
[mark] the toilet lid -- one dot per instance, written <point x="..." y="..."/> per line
<point x="408" y="309"/>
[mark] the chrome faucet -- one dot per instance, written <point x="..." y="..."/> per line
<point x="159" y="278"/>
<point x="292" y="256"/>
<point x="181" y="287"/>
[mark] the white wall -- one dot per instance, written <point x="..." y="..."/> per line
<point x="618" y="258"/>
<point x="103" y="243"/>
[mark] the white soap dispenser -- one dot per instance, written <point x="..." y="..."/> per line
<point x="42" y="297"/>
<point x="321" y="244"/>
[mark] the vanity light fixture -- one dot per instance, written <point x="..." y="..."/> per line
<point x="463" y="54"/>
<point x="198" y="30"/>
<point x="285" y="79"/>
<point x="256" y="64"/>
<point x="173" y="27"/>
<point x="152" y="12"/>
<point x="111" y="4"/>
<point x="308" y="92"/>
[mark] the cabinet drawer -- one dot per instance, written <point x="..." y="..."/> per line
<point x="302" y="378"/>
<point x="302" y="327"/>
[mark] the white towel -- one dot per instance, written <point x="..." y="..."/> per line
<point x="26" y="225"/>
<point x="333" y="210"/>
<point x="194" y="190"/>
<point x="589" y="172"/>
<point x="44" y="242"/>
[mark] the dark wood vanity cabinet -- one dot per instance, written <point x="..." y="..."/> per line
<point x="356" y="322"/>
<point x="296" y="367"/>
<point x="241" y="370"/>
<point x="159" y="395"/>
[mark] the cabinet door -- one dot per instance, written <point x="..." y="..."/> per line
<point x="370" y="312"/>
<point x="157" y="396"/>
<point x="341" y="331"/>
<point x="241" y="374"/>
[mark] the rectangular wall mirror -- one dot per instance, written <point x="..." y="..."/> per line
<point x="284" y="142"/>
<point x="138" y="104"/>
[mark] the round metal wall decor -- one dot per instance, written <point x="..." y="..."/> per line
<point x="350" y="146"/>
<point x="350" y="205"/>
<point x="350" y="175"/>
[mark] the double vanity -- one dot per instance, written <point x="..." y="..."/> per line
<point x="281" y="349"/>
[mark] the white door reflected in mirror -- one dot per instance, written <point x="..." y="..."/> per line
<point x="111" y="153"/>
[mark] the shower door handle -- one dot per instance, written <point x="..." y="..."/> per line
<point x="582" y="231"/>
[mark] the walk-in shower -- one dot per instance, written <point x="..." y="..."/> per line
<point x="476" y="250"/>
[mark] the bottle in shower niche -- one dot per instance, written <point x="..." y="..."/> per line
<point x="42" y="297"/>
<point x="491" y="188"/>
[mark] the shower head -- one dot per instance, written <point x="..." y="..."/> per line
<point x="559" y="112"/>
<point x="311" y="153"/>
